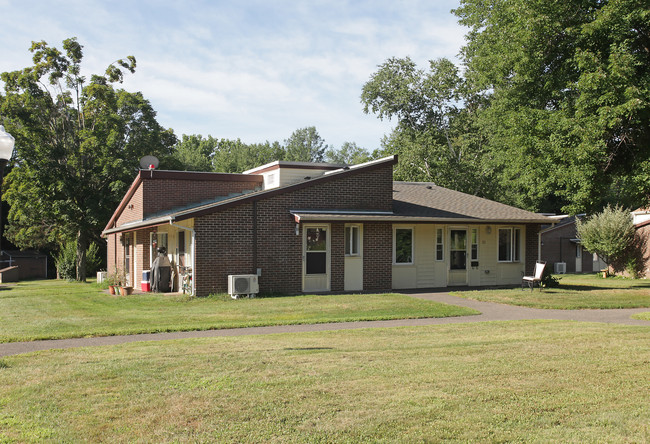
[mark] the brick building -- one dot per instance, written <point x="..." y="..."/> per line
<point x="313" y="227"/>
<point x="563" y="250"/>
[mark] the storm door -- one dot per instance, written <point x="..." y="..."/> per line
<point x="457" y="256"/>
<point x="316" y="258"/>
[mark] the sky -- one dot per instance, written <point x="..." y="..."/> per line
<point x="256" y="70"/>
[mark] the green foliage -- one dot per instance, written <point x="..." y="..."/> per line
<point x="566" y="89"/>
<point x="551" y="112"/>
<point x="78" y="145"/>
<point x="305" y="145"/>
<point x="348" y="154"/>
<point x="609" y="233"/>
<point x="548" y="280"/>
<point x="66" y="260"/>
<point x="435" y="138"/>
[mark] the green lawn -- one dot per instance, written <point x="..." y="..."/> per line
<point x="528" y="381"/>
<point x="60" y="309"/>
<point x="576" y="291"/>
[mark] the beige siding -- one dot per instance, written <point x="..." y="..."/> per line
<point x="426" y="272"/>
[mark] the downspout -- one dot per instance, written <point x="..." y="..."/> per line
<point x="539" y="245"/>
<point x="193" y="236"/>
<point x="254" y="237"/>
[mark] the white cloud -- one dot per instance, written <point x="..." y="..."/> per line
<point x="252" y="69"/>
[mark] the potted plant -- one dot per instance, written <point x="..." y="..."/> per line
<point x="124" y="287"/>
<point x="113" y="282"/>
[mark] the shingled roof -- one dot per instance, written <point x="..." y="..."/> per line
<point x="426" y="202"/>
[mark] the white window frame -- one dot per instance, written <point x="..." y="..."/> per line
<point x="515" y="244"/>
<point x="395" y="245"/>
<point x="440" y="244"/>
<point x="355" y="247"/>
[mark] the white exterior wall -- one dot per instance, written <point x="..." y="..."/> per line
<point x="280" y="177"/>
<point x="427" y="272"/>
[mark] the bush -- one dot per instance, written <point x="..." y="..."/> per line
<point x="548" y="280"/>
<point x="66" y="260"/>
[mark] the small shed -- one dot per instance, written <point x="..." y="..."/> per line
<point x="31" y="264"/>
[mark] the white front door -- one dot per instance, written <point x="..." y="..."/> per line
<point x="457" y="256"/>
<point x="353" y="268"/>
<point x="316" y="258"/>
<point x="578" y="258"/>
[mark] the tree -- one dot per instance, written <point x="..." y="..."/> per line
<point x="78" y="146"/>
<point x="234" y="156"/>
<point x="609" y="233"/>
<point x="435" y="136"/>
<point x="566" y="98"/>
<point x="348" y="154"/>
<point x="305" y="145"/>
<point x="194" y="153"/>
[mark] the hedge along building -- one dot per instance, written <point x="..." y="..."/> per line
<point x="308" y="227"/>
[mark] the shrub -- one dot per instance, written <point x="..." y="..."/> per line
<point x="548" y="280"/>
<point x="66" y="260"/>
<point x="609" y="233"/>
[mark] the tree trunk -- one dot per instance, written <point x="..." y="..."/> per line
<point x="82" y="246"/>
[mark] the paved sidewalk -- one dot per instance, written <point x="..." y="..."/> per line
<point x="489" y="312"/>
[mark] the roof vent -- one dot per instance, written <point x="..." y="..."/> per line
<point x="307" y="177"/>
<point x="429" y="187"/>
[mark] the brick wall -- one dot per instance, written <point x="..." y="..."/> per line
<point x="532" y="230"/>
<point x="224" y="240"/>
<point x="133" y="211"/>
<point x="557" y="247"/>
<point x="165" y="194"/>
<point x="377" y="256"/>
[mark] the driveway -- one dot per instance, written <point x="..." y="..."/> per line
<point x="489" y="312"/>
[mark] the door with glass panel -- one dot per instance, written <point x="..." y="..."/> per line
<point x="316" y="258"/>
<point x="457" y="256"/>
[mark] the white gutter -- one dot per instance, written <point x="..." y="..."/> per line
<point x="193" y="235"/>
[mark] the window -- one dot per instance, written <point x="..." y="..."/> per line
<point x="578" y="251"/>
<point x="474" y="251"/>
<point x="440" y="246"/>
<point x="458" y="250"/>
<point x="509" y="244"/>
<point x="352" y="240"/>
<point x="403" y="245"/>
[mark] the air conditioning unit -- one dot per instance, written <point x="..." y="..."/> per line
<point x="242" y="284"/>
<point x="560" y="267"/>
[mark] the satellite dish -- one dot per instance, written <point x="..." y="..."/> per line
<point x="149" y="162"/>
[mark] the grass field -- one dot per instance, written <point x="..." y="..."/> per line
<point x="532" y="381"/>
<point x="59" y="309"/>
<point x="576" y="291"/>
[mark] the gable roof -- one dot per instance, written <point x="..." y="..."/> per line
<point x="426" y="202"/>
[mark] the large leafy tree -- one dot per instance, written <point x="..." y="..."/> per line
<point x="435" y="134"/>
<point x="567" y="97"/>
<point x="78" y="144"/>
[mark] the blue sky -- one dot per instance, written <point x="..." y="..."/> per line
<point x="249" y="69"/>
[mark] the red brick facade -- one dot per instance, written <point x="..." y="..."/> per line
<point x="226" y="243"/>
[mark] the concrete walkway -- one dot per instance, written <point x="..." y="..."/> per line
<point x="489" y="312"/>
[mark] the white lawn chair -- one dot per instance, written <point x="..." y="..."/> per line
<point x="530" y="280"/>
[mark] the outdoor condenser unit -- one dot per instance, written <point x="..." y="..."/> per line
<point x="560" y="267"/>
<point x="242" y="284"/>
